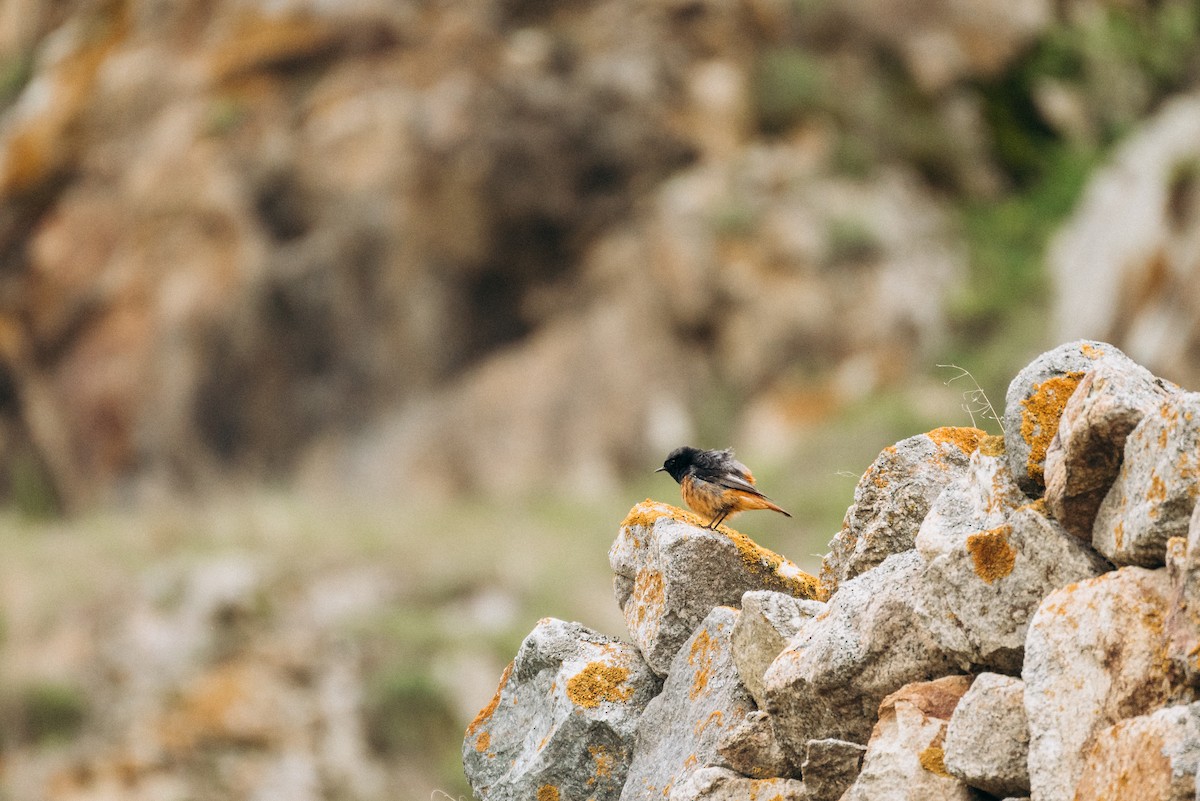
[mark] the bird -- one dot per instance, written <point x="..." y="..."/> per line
<point x="715" y="484"/>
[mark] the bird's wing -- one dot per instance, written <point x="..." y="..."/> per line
<point x="732" y="479"/>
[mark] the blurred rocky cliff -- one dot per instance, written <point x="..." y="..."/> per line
<point x="373" y="242"/>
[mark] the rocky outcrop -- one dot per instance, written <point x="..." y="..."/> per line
<point x="977" y="648"/>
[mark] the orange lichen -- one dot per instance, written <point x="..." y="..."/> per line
<point x="992" y="445"/>
<point x="1038" y="506"/>
<point x="994" y="558"/>
<point x="604" y="761"/>
<point x="547" y="792"/>
<point x="599" y="682"/>
<point x="483" y="741"/>
<point x="966" y="439"/>
<point x="715" y="718"/>
<point x="647" y="593"/>
<point x="1039" y="417"/>
<point x="487" y="711"/>
<point x="933" y="758"/>
<point x="704" y="648"/>
<point x="1091" y="351"/>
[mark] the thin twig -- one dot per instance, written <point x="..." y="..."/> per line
<point x="975" y="401"/>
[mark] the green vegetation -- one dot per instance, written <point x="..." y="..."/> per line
<point x="41" y="713"/>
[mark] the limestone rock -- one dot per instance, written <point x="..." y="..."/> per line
<point x="866" y="644"/>
<point x="752" y="750"/>
<point x="891" y="500"/>
<point x="563" y="717"/>
<point x="830" y="767"/>
<point x="992" y="557"/>
<point x="1035" y="401"/>
<point x="671" y="572"/>
<point x="1153" y="496"/>
<point x="904" y="759"/>
<point x="721" y="784"/>
<point x="1183" y="621"/>
<point x="700" y="702"/>
<point x="769" y="620"/>
<point x="987" y="741"/>
<point x="1085" y="456"/>
<point x="1095" y="654"/>
<point x="1156" y="755"/>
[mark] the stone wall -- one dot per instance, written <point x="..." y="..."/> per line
<point x="999" y="617"/>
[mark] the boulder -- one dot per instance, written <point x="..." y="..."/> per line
<point x="891" y="500"/>
<point x="987" y="741"/>
<point x="1153" y="756"/>
<point x="905" y="758"/>
<point x="1095" y="654"/>
<point x="1035" y="401"/>
<point x="721" y="784"/>
<point x="701" y="701"/>
<point x="563" y="717"/>
<point x="1183" y="621"/>
<point x="752" y="750"/>
<point x="768" y="622"/>
<point x="866" y="644"/>
<point x="1156" y="489"/>
<point x="991" y="559"/>
<point x="830" y="767"/>
<point x="670" y="572"/>
<point x="1085" y="456"/>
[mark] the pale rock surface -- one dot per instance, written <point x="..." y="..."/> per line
<point x="1183" y="621"/>
<point x="1095" y="654"/>
<point x="904" y="759"/>
<point x="1086" y="454"/>
<point x="1154" y="494"/>
<point x="701" y="700"/>
<point x="868" y="643"/>
<point x="752" y="750"/>
<point x="670" y="571"/>
<point x="721" y="784"/>
<point x="1035" y="401"/>
<point x="1154" y="756"/>
<point x="830" y="767"/>
<point x="563" y="717"/>
<point x="891" y="500"/>
<point x="768" y="622"/>
<point x="987" y="740"/>
<point x="991" y="558"/>
<point x="1132" y="242"/>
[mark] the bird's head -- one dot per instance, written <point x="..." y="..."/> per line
<point x="679" y="461"/>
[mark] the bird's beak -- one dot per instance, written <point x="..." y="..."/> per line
<point x="659" y="470"/>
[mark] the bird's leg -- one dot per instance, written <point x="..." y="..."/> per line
<point x="716" y="521"/>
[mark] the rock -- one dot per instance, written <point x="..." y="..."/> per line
<point x="904" y="759"/>
<point x="1183" y="621"/>
<point x="830" y="767"/>
<point x="1155" y="755"/>
<point x="987" y="741"/>
<point x="1095" y="654"/>
<point x="671" y="572"/>
<point x="891" y="500"/>
<point x="563" y="717"/>
<point x="1086" y="454"/>
<point x="1035" y="401"/>
<point x="700" y="702"/>
<point x="991" y="559"/>
<point x="769" y="620"/>
<point x="866" y="644"/>
<point x="1155" y="492"/>
<point x="722" y="784"/>
<point x="751" y="749"/>
<point x="1130" y="242"/>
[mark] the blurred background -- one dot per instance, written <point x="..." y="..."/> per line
<point x="337" y="338"/>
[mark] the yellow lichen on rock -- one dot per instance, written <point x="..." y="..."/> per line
<point x="1040" y="413"/>
<point x="487" y="711"/>
<point x="547" y="792"/>
<point x="965" y="438"/>
<point x="992" y="445"/>
<point x="992" y="554"/>
<point x="599" y="682"/>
